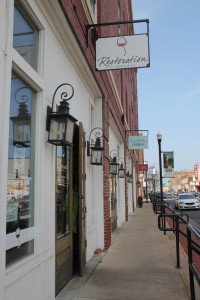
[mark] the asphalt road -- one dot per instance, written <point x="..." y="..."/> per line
<point x="194" y="215"/>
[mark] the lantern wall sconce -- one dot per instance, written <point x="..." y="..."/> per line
<point x="121" y="169"/>
<point x="22" y="122"/>
<point x="129" y="177"/>
<point x="94" y="149"/>
<point x="60" y="123"/>
<point x="113" y="163"/>
<point x="138" y="183"/>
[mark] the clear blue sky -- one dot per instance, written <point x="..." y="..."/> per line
<point x="169" y="91"/>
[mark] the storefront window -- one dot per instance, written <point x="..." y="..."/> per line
<point x="62" y="190"/>
<point x="25" y="36"/>
<point x="20" y="204"/>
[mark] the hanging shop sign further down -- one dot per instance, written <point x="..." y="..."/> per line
<point x="168" y="163"/>
<point x="142" y="167"/>
<point x="122" y="52"/>
<point x="138" y="142"/>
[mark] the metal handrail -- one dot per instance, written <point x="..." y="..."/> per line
<point x="193" y="246"/>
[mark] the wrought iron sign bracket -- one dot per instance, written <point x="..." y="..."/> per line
<point x="94" y="26"/>
<point x="127" y="131"/>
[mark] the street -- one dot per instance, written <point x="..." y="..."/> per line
<point x="194" y="215"/>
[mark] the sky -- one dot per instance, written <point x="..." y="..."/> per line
<point x="169" y="90"/>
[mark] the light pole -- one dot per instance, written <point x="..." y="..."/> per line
<point x="159" y="138"/>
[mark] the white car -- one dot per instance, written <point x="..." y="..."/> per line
<point x="187" y="201"/>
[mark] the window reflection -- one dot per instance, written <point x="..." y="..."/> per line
<point x="19" y="217"/>
<point x="62" y="190"/>
<point x="25" y="36"/>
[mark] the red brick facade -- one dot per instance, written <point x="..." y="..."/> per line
<point x="125" y="81"/>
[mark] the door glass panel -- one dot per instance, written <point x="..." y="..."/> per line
<point x="25" y="36"/>
<point x="62" y="190"/>
<point x="20" y="204"/>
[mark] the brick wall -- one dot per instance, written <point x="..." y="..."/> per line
<point x="125" y="81"/>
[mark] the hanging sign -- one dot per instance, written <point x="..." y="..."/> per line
<point x="122" y="52"/>
<point x="168" y="163"/>
<point x="138" y="142"/>
<point x="168" y="159"/>
<point x="143" y="167"/>
<point x="196" y="170"/>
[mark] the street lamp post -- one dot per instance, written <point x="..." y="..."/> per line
<point x="159" y="138"/>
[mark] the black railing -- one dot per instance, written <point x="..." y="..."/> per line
<point x="177" y="220"/>
<point x="193" y="244"/>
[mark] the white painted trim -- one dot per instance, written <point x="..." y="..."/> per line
<point x="58" y="23"/>
<point x="26" y="72"/>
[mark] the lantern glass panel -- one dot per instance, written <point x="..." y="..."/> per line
<point x="96" y="157"/>
<point x="69" y="131"/>
<point x="113" y="168"/>
<point x="57" y="129"/>
<point x="21" y="131"/>
<point x="121" y="173"/>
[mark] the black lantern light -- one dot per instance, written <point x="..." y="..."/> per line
<point x="138" y="183"/>
<point x="94" y="150"/>
<point x="22" y="122"/>
<point x="60" y="124"/>
<point x="121" y="170"/>
<point x="113" y="163"/>
<point x="129" y="177"/>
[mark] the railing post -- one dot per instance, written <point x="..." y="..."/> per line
<point x="164" y="219"/>
<point x="191" y="275"/>
<point x="177" y="243"/>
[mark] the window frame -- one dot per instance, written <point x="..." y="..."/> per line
<point x="35" y="26"/>
<point x="35" y="80"/>
<point x="21" y="230"/>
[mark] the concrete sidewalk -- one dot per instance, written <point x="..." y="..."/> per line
<point x="139" y="265"/>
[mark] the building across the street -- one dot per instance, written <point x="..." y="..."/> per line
<point x="183" y="181"/>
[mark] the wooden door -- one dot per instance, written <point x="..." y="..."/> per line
<point x="64" y="255"/>
<point x="82" y="208"/>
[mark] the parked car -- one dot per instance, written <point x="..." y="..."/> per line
<point x="187" y="201"/>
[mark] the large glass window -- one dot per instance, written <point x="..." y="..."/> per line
<point x="25" y="36"/>
<point x="20" y="204"/>
<point x="62" y="190"/>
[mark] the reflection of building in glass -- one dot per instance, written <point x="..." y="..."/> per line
<point x="19" y="186"/>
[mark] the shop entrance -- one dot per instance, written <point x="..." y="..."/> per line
<point x="70" y="210"/>
<point x="79" y="209"/>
